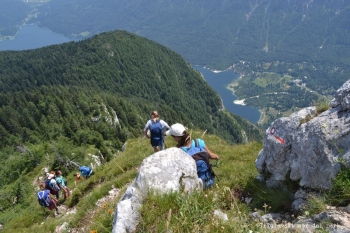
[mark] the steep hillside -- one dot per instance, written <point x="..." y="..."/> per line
<point x="60" y="103"/>
<point x="92" y="205"/>
<point x="139" y="71"/>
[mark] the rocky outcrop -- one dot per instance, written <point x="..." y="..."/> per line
<point x="170" y="170"/>
<point x="306" y="147"/>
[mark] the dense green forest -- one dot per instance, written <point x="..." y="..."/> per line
<point x="122" y="64"/>
<point x="98" y="93"/>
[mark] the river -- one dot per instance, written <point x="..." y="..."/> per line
<point x="32" y="37"/>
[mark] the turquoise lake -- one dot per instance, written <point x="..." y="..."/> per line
<point x="219" y="82"/>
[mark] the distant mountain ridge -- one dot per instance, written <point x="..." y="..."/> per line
<point x="216" y="33"/>
<point x="302" y="40"/>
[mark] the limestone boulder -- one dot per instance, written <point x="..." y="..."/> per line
<point x="170" y="170"/>
<point x="307" y="147"/>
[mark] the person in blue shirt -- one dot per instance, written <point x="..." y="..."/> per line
<point x="184" y="141"/>
<point x="85" y="171"/>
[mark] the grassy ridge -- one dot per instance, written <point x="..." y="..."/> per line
<point x="234" y="169"/>
<point x="175" y="212"/>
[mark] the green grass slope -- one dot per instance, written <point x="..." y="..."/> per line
<point x="91" y="207"/>
<point x="234" y="170"/>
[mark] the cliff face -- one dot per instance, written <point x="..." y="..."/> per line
<point x="310" y="152"/>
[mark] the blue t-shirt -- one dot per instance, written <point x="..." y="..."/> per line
<point x="193" y="149"/>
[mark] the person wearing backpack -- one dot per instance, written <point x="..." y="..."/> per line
<point x="85" y="171"/>
<point x="156" y="128"/>
<point x="52" y="185"/>
<point x="46" y="199"/>
<point x="197" y="150"/>
<point x="61" y="183"/>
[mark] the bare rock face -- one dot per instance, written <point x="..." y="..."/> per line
<point x="170" y="170"/>
<point x="307" y="148"/>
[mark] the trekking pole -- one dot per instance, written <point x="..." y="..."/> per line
<point x="74" y="163"/>
<point x="204" y="133"/>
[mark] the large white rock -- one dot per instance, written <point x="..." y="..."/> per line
<point x="170" y="170"/>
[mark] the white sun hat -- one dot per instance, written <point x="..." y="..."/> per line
<point x="176" y="130"/>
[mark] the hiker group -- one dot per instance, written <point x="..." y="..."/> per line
<point x="55" y="184"/>
<point x="155" y="129"/>
<point x="50" y="190"/>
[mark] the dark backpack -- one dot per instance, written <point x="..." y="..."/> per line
<point x="47" y="184"/>
<point x="53" y="187"/>
<point x="44" y="198"/>
<point x="156" y="130"/>
<point x="204" y="168"/>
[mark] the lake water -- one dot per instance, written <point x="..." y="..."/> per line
<point x="219" y="82"/>
<point x="32" y="37"/>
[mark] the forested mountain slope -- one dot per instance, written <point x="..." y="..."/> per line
<point x="124" y="65"/>
<point x="100" y="92"/>
<point x="216" y="33"/>
<point x="274" y="44"/>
